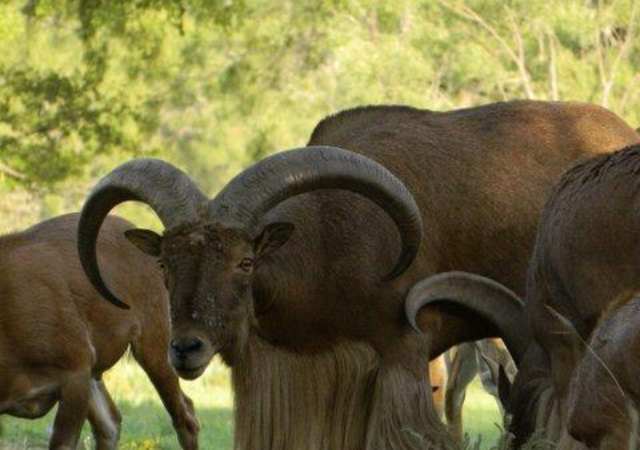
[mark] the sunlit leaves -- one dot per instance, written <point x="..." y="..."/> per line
<point x="52" y="125"/>
<point x="212" y="85"/>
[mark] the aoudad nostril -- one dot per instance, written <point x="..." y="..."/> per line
<point x="184" y="346"/>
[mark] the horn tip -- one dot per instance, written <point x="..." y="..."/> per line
<point x="115" y="301"/>
<point x="411" y="312"/>
<point x="414" y="323"/>
<point x="390" y="276"/>
<point x="403" y="263"/>
<point x="120" y="304"/>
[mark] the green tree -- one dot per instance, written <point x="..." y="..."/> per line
<point x="214" y="85"/>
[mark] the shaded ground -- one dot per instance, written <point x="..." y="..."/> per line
<point x="147" y="426"/>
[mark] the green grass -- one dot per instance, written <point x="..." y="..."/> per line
<point x="481" y="415"/>
<point x="146" y="425"/>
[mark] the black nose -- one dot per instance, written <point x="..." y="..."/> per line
<point x="184" y="346"/>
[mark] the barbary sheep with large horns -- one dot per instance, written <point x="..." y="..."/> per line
<point x="585" y="264"/>
<point x="296" y="272"/>
<point x="57" y="338"/>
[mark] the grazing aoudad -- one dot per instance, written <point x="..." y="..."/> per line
<point x="583" y="269"/>
<point x="296" y="272"/>
<point x="57" y="336"/>
<point x="606" y="380"/>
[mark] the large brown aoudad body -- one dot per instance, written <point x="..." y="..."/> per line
<point x="57" y="337"/>
<point x="584" y="267"/>
<point x="282" y="272"/>
<point x="585" y="262"/>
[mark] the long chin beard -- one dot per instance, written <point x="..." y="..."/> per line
<point x="282" y="399"/>
<point x="344" y="398"/>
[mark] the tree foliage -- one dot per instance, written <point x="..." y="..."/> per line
<point x="213" y="84"/>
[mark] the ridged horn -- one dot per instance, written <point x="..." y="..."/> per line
<point x="488" y="299"/>
<point x="277" y="178"/>
<point x="172" y="195"/>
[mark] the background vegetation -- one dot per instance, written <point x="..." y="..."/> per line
<point x="212" y="85"/>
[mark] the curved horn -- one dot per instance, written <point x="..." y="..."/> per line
<point x="482" y="296"/>
<point x="275" y="179"/>
<point x="169" y="191"/>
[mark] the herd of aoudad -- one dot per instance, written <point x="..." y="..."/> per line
<point x="344" y="284"/>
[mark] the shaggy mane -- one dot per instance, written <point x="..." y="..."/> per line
<point x="312" y="402"/>
<point x="342" y="399"/>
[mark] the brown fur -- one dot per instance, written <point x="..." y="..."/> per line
<point x="439" y="377"/>
<point x="606" y="380"/>
<point x="280" y="397"/>
<point x="585" y="265"/>
<point x="479" y="177"/>
<point x="57" y="336"/>
<point x="477" y="157"/>
<point x="518" y="141"/>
